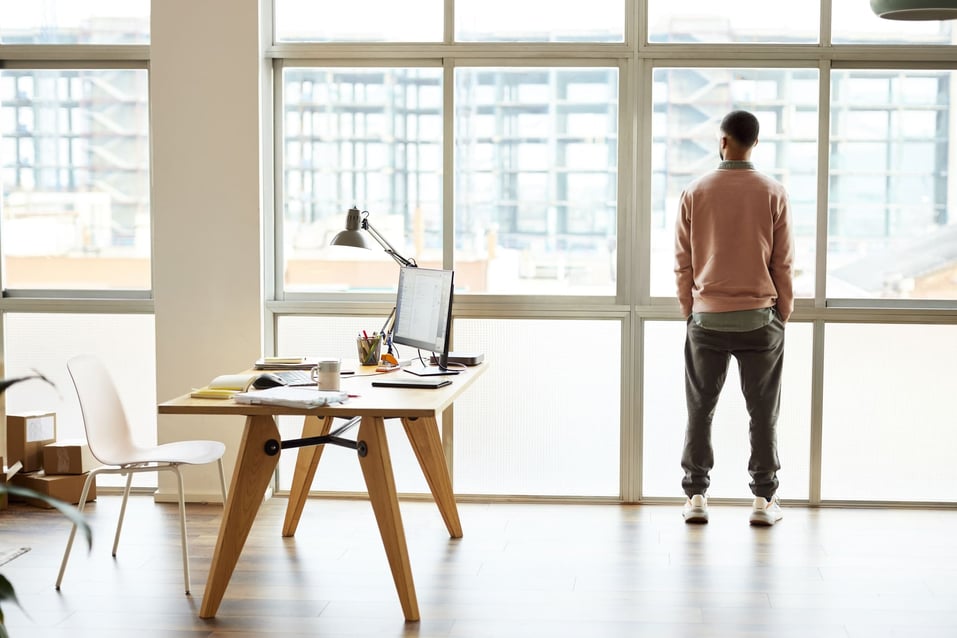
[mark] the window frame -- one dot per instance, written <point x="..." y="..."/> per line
<point x="633" y="304"/>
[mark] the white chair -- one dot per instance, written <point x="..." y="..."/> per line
<point x="111" y="442"/>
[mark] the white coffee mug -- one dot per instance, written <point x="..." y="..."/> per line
<point x="326" y="374"/>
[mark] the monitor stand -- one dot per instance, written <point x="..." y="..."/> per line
<point x="429" y="371"/>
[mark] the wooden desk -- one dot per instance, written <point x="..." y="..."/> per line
<point x="259" y="454"/>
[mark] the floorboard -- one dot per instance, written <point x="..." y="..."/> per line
<point x="522" y="570"/>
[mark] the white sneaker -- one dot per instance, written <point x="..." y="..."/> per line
<point x="696" y="509"/>
<point x="765" y="512"/>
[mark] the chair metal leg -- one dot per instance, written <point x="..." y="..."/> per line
<point x="182" y="526"/>
<point x="69" y="544"/>
<point x="222" y="479"/>
<point x="119" y="523"/>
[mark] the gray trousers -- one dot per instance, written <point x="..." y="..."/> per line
<point x="760" y="356"/>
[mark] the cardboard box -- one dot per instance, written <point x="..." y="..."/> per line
<point x="69" y="456"/>
<point x="63" y="487"/>
<point x="27" y="435"/>
<point x="5" y="477"/>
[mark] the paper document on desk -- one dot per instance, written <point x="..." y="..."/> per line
<point x="291" y="397"/>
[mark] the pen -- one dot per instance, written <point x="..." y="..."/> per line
<point x="364" y="334"/>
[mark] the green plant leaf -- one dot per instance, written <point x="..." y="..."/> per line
<point x="67" y="510"/>
<point x="7" y="593"/>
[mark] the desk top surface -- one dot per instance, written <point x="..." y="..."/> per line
<point x="371" y="401"/>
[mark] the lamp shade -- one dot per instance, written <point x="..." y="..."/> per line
<point x="915" y="9"/>
<point x="354" y="238"/>
<point x="353" y="235"/>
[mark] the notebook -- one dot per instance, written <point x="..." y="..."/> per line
<point x="415" y="382"/>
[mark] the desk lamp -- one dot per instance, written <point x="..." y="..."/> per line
<point x="356" y="222"/>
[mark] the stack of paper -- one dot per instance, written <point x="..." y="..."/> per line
<point x="291" y="397"/>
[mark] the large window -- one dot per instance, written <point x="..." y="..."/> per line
<point x="689" y="104"/>
<point x="536" y="155"/>
<point x="892" y="229"/>
<point x="75" y="176"/>
<point x="542" y="154"/>
<point x="364" y="137"/>
<point x="75" y="215"/>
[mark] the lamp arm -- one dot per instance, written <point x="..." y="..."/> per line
<point x="402" y="261"/>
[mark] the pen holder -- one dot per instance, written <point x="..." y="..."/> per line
<point x="369" y="349"/>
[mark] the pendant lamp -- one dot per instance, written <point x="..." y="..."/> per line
<point x="915" y="9"/>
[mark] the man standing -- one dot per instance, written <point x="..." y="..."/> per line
<point x="733" y="259"/>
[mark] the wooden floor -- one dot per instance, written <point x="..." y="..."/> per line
<point x="521" y="570"/>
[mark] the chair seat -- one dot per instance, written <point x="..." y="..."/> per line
<point x="183" y="452"/>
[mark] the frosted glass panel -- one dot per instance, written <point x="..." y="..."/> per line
<point x="665" y="417"/>
<point x="544" y="419"/>
<point x="525" y="21"/>
<point x="889" y="424"/>
<point x="75" y="22"/>
<point x="741" y="21"/>
<point x="126" y="345"/>
<point x="375" y="21"/>
<point x="339" y="467"/>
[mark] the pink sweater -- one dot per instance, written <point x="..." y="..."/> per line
<point x="733" y="244"/>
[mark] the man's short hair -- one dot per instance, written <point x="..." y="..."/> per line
<point x="742" y="127"/>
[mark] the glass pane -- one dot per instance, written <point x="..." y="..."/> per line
<point x="892" y="232"/>
<point x="75" y="22"/>
<point x="524" y="430"/>
<point x="524" y="21"/>
<point x="689" y="105"/>
<point x="75" y="175"/>
<point x="855" y="23"/>
<point x="536" y="156"/>
<point x="44" y="342"/>
<point x="888" y="413"/>
<point x="369" y="138"/>
<point x="741" y="21"/>
<point x="339" y="468"/>
<point x="370" y="21"/>
<point x="665" y="418"/>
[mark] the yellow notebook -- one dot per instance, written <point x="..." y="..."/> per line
<point x="223" y="386"/>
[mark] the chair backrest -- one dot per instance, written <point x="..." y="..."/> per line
<point x="107" y="430"/>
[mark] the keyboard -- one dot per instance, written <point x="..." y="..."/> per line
<point x="295" y="377"/>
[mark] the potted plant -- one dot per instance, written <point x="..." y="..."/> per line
<point x="6" y="588"/>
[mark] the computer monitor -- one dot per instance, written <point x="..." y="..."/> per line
<point x="423" y="314"/>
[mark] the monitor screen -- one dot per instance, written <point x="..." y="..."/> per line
<point x="423" y="310"/>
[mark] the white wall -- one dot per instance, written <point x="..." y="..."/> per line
<point x="206" y="208"/>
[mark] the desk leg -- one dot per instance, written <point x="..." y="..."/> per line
<point x="380" y="481"/>
<point x="423" y="434"/>
<point x="254" y="470"/>
<point x="306" y="464"/>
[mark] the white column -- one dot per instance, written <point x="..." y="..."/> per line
<point x="205" y="74"/>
